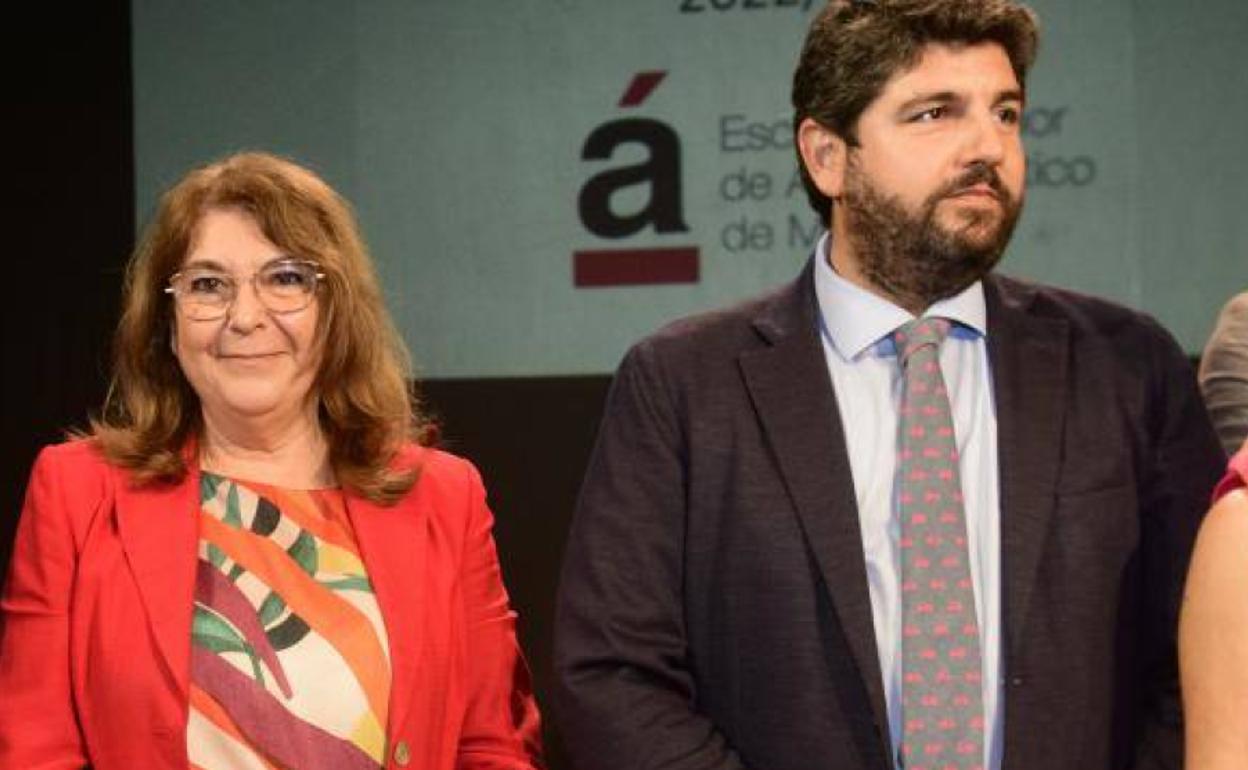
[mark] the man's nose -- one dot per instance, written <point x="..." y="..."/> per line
<point x="986" y="139"/>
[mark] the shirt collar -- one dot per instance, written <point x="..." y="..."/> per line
<point x="854" y="319"/>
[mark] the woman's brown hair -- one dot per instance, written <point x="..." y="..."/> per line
<point x="366" y="408"/>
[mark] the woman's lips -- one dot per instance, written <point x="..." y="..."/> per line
<point x="247" y="356"/>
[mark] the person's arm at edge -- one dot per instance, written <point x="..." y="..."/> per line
<point x="1185" y="463"/>
<point x="1213" y="640"/>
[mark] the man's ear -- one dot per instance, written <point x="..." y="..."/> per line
<point x="824" y="155"/>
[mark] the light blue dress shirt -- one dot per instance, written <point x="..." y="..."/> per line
<point x="855" y="327"/>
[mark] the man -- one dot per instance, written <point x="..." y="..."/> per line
<point x="902" y="512"/>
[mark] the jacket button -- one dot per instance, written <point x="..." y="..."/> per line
<point x="402" y="755"/>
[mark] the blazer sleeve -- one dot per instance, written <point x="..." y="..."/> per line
<point x="38" y="726"/>
<point x="1224" y="374"/>
<point x="625" y="692"/>
<point x="1183" y="468"/>
<point x="501" y="729"/>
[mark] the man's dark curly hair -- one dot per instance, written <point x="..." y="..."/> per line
<point x="855" y="46"/>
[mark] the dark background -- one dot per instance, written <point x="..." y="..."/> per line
<point x="70" y="171"/>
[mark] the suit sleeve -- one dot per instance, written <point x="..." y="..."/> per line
<point x="1224" y="374"/>
<point x="625" y="693"/>
<point x="38" y="724"/>
<point x="501" y="729"/>
<point x="1183" y="469"/>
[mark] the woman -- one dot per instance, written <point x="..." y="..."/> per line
<point x="251" y="561"/>
<point x="1213" y="630"/>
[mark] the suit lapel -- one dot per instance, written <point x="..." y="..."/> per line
<point x="789" y="385"/>
<point x="1028" y="355"/>
<point x="157" y="527"/>
<point x="392" y="543"/>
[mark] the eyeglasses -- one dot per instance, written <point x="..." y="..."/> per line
<point x="283" y="286"/>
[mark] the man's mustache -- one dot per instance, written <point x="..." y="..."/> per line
<point x="978" y="173"/>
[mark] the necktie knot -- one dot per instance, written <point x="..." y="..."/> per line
<point x="919" y="333"/>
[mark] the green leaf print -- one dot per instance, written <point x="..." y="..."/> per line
<point x="208" y="484"/>
<point x="219" y="645"/>
<point x="210" y="630"/>
<point x="288" y="633"/>
<point x="233" y="508"/>
<point x="256" y="670"/>
<point x="350" y="583"/>
<point x="212" y="633"/>
<point x="271" y="609"/>
<point x="303" y="551"/>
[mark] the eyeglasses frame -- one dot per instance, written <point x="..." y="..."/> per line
<point x="318" y="277"/>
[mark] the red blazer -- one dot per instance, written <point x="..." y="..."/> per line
<point x="95" y="642"/>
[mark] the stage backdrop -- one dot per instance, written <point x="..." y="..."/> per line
<point x="543" y="182"/>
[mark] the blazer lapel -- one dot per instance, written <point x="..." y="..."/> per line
<point x="156" y="525"/>
<point x="789" y="385"/>
<point x="392" y="543"/>
<point x="1028" y="356"/>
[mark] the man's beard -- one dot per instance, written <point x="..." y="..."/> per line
<point x="913" y="258"/>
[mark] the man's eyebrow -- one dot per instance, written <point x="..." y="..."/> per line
<point x="950" y="97"/>
<point x="929" y="97"/>
<point x="1010" y="95"/>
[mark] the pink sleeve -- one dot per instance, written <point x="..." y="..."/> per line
<point x="1236" y="474"/>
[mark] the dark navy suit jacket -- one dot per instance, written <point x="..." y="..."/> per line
<point x="713" y="609"/>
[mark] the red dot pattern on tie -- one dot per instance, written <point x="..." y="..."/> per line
<point x="942" y="701"/>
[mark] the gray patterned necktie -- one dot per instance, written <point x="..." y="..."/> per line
<point x="942" y="700"/>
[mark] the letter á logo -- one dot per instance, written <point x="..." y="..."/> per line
<point x="660" y="174"/>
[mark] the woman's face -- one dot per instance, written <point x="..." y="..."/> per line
<point x="251" y="366"/>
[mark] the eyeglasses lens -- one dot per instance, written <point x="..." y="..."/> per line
<point x="282" y="287"/>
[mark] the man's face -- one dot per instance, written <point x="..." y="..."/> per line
<point x="928" y="199"/>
